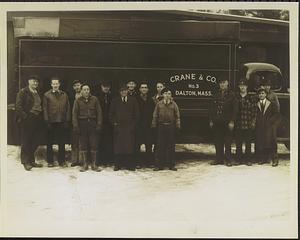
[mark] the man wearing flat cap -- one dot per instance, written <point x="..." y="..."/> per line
<point x="222" y="115"/>
<point x="29" y="116"/>
<point x="104" y="95"/>
<point x="267" y="115"/>
<point x="124" y="115"/>
<point x="245" y="122"/>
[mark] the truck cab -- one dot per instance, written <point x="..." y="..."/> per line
<point x="256" y="74"/>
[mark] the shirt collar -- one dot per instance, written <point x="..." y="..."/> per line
<point x="167" y="102"/>
<point x="58" y="91"/>
<point x="125" y="98"/>
<point x="263" y="101"/>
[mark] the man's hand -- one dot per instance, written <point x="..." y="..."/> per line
<point x="253" y="126"/>
<point x="231" y="125"/>
<point x="211" y="124"/>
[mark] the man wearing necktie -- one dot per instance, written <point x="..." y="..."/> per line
<point x="124" y="115"/>
<point x="57" y="115"/>
<point x="265" y="141"/>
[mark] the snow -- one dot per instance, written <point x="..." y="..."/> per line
<point x="199" y="200"/>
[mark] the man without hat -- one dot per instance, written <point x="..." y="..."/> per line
<point x="57" y="115"/>
<point x="87" y="122"/>
<point x="222" y="115"/>
<point x="245" y="122"/>
<point x="166" y="118"/>
<point x="124" y="115"/>
<point x="29" y="116"/>
<point x="267" y="115"/>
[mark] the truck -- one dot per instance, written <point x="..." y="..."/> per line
<point x="188" y="56"/>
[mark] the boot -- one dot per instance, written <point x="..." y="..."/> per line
<point x="93" y="160"/>
<point x="83" y="159"/>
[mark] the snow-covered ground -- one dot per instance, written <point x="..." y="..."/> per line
<point x="199" y="200"/>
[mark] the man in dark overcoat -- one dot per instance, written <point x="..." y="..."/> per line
<point x="222" y="115"/>
<point x="267" y="115"/>
<point x="57" y="115"/>
<point x="29" y="116"/>
<point x="245" y="122"/>
<point x="105" y="148"/>
<point x="124" y="115"/>
<point x="145" y="132"/>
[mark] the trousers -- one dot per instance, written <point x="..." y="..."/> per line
<point x="30" y="131"/>
<point x="166" y="145"/>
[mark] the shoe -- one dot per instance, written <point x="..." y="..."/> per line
<point x="37" y="165"/>
<point x="132" y="169"/>
<point x="236" y="163"/>
<point x="249" y="163"/>
<point x="228" y="164"/>
<point x="173" y="168"/>
<point x="215" y="162"/>
<point x="74" y="164"/>
<point x="138" y="167"/>
<point x="116" y="168"/>
<point x="50" y="165"/>
<point x="63" y="164"/>
<point x="274" y="163"/>
<point x="27" y="167"/>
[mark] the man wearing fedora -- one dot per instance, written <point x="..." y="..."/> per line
<point x="29" y="116"/>
<point x="267" y="115"/>
<point x="124" y="115"/>
<point x="222" y="115"/>
<point x="245" y="122"/>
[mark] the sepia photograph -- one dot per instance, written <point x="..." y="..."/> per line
<point x="154" y="120"/>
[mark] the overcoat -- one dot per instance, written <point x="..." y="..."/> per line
<point x="265" y="137"/>
<point x="124" y="117"/>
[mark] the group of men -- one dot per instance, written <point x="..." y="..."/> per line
<point x="108" y="129"/>
<point x="105" y="129"/>
<point x="243" y="116"/>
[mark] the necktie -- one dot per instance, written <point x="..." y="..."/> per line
<point x="262" y="105"/>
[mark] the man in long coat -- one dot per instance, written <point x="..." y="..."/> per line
<point x="145" y="132"/>
<point x="267" y="115"/>
<point x="105" y="149"/>
<point x="124" y="115"/>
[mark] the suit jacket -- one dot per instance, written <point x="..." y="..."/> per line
<point x="24" y="103"/>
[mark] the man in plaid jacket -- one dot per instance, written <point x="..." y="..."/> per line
<point x="245" y="122"/>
